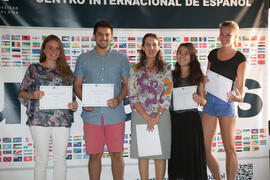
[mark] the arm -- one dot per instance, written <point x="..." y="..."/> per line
<point x="200" y="98"/>
<point x="165" y="98"/>
<point x="135" y="103"/>
<point x="205" y="77"/>
<point x="27" y="90"/>
<point x="78" y="81"/>
<point x="241" y="72"/>
<point x="31" y="95"/>
<point x="77" y="84"/>
<point x="112" y="103"/>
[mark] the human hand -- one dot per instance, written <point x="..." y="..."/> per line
<point x="197" y="98"/>
<point x="38" y="94"/>
<point x="112" y="103"/>
<point x="151" y="121"/>
<point x="234" y="96"/>
<point x="73" y="106"/>
<point x="205" y="79"/>
<point x="88" y="108"/>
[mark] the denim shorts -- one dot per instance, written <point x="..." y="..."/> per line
<point x="218" y="107"/>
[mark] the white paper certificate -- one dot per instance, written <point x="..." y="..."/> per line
<point x="182" y="98"/>
<point x="218" y="85"/>
<point x="148" y="142"/>
<point x="97" y="95"/>
<point x="55" y="97"/>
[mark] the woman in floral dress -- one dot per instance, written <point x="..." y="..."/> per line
<point x="149" y="89"/>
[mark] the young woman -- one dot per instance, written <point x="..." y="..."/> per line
<point x="149" y="89"/>
<point x="187" y="150"/>
<point x="228" y="62"/>
<point x="52" y="70"/>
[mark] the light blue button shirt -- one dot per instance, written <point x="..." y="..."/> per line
<point x="110" y="68"/>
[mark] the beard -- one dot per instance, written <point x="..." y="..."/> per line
<point x="99" y="45"/>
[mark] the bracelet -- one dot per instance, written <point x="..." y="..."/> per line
<point x="241" y="99"/>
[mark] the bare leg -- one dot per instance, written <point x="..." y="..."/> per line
<point x="160" y="167"/>
<point x="117" y="165"/>
<point x="94" y="166"/>
<point x="143" y="168"/>
<point x="209" y="124"/>
<point x="227" y="128"/>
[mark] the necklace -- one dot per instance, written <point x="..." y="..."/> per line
<point x="150" y="69"/>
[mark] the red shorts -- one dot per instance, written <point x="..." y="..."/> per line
<point x="96" y="136"/>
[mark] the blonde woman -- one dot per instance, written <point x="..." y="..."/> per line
<point x="228" y="62"/>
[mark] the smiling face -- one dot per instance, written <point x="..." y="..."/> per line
<point x="52" y="50"/>
<point x="151" y="47"/>
<point x="183" y="56"/>
<point x="227" y="36"/>
<point x="103" y="37"/>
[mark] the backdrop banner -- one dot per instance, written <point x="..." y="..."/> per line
<point x="133" y="13"/>
<point x="25" y="24"/>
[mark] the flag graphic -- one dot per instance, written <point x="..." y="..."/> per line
<point x="131" y="39"/>
<point x="65" y="38"/>
<point x="75" y="38"/>
<point x="27" y="158"/>
<point x="36" y="44"/>
<point x="35" y="38"/>
<point x="7" y="159"/>
<point x="5" y="50"/>
<point x="5" y="43"/>
<point x="122" y="45"/>
<point x="35" y="51"/>
<point x="26" y="37"/>
<point x="6" y="140"/>
<point x="122" y="39"/>
<point x="85" y="38"/>
<point x="176" y="39"/>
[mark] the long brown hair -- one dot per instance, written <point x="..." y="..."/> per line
<point x="62" y="67"/>
<point x="195" y="76"/>
<point x="159" y="62"/>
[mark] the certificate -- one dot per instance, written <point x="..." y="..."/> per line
<point x="55" y="97"/>
<point x="148" y="142"/>
<point x="182" y="98"/>
<point x="97" y="95"/>
<point x="218" y="85"/>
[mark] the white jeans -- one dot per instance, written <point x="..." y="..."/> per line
<point x="41" y="138"/>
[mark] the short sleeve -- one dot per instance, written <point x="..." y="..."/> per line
<point x="242" y="57"/>
<point x="165" y="98"/>
<point x="27" y="84"/>
<point x="212" y="55"/>
<point x="79" y="72"/>
<point x="125" y="67"/>
<point x="132" y="88"/>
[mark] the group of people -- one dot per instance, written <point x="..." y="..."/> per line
<point x="185" y="136"/>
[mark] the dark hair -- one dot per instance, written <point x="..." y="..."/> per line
<point x="62" y="67"/>
<point x="104" y="24"/>
<point x="159" y="63"/>
<point x="196" y="76"/>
